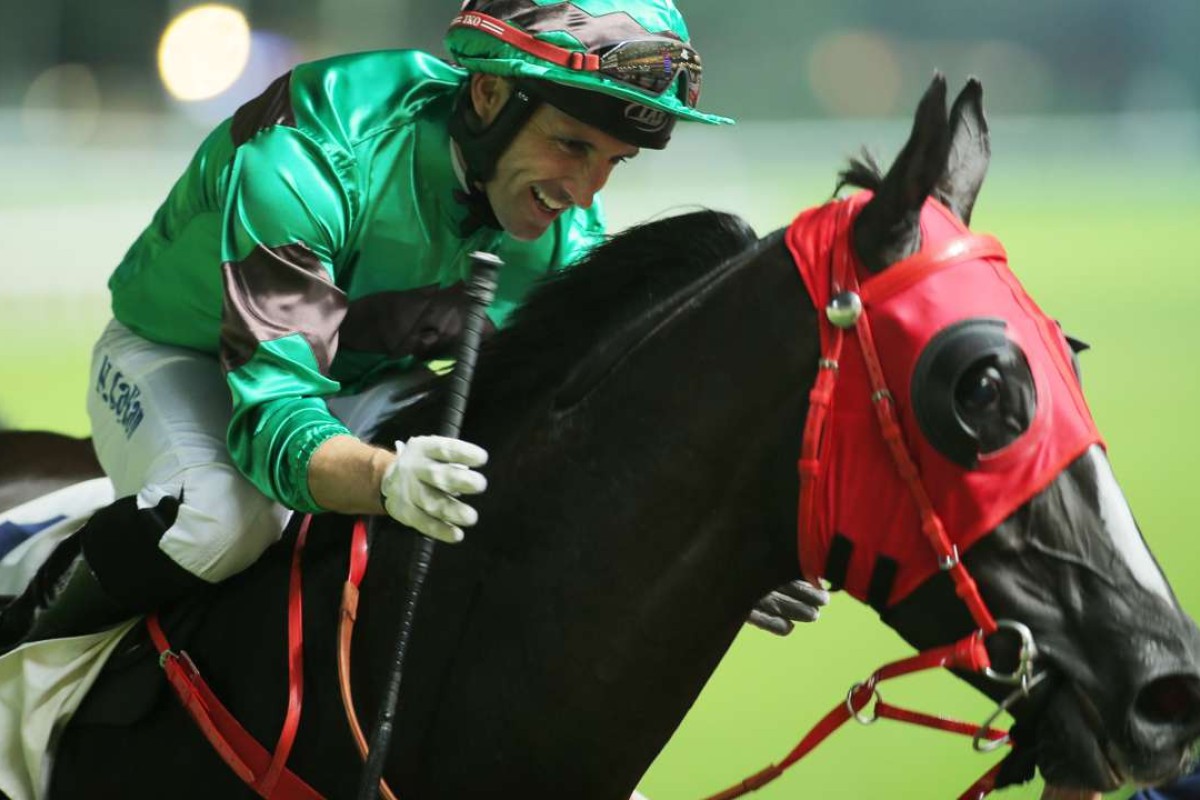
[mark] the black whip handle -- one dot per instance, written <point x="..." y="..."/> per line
<point x="481" y="288"/>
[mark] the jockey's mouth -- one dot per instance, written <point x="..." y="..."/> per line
<point x="547" y="203"/>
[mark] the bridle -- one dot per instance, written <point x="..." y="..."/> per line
<point x="843" y="317"/>
<point x="844" y="313"/>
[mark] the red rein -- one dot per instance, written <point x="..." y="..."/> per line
<point x="263" y="772"/>
<point x="268" y="776"/>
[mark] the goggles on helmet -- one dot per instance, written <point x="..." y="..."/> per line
<point x="651" y="65"/>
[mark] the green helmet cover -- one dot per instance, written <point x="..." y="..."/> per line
<point x="477" y="51"/>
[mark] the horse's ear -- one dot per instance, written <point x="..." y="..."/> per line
<point x="970" y="151"/>
<point x="888" y="228"/>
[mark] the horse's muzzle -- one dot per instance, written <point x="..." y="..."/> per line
<point x="1150" y="746"/>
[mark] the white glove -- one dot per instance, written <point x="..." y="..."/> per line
<point x="421" y="487"/>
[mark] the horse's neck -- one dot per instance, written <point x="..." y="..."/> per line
<point x="619" y="550"/>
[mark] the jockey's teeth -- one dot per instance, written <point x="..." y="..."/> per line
<point x="546" y="201"/>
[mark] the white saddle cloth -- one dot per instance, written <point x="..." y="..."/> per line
<point x="43" y="683"/>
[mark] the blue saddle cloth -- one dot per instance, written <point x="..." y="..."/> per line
<point x="12" y="533"/>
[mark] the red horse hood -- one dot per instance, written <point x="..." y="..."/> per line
<point x="866" y="531"/>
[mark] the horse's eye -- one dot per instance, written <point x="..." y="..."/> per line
<point x="979" y="389"/>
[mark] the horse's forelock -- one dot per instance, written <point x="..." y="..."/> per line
<point x="862" y="172"/>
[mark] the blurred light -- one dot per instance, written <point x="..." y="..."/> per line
<point x="271" y="55"/>
<point x="62" y="106"/>
<point x="855" y="74"/>
<point x="203" y="51"/>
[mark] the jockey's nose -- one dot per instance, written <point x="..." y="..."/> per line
<point x="591" y="179"/>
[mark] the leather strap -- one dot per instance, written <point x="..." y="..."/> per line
<point x="916" y="268"/>
<point x="968" y="654"/>
<point x="265" y="773"/>
<point x="291" y="721"/>
<point x="359" y="553"/>
<point x="586" y="62"/>
<point x="982" y="787"/>
<point x="893" y="435"/>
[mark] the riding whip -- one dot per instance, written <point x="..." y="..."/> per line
<point x="480" y="289"/>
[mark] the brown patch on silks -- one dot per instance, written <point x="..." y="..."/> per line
<point x="277" y="292"/>
<point x="272" y="107"/>
<point x="422" y="322"/>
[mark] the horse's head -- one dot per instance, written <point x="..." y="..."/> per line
<point x="992" y="412"/>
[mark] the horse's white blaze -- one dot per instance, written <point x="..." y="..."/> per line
<point x="1121" y="528"/>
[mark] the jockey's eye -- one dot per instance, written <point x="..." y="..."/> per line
<point x="574" y="147"/>
<point x="979" y="390"/>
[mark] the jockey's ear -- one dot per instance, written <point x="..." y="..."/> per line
<point x="888" y="228"/>
<point x="489" y="94"/>
<point x="970" y="152"/>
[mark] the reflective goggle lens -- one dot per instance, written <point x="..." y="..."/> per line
<point x="653" y="65"/>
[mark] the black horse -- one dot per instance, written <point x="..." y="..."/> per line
<point x="644" y="416"/>
<point x="36" y="463"/>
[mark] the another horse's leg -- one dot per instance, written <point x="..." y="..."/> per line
<point x="33" y="463"/>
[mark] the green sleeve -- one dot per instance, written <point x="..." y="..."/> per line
<point x="287" y="214"/>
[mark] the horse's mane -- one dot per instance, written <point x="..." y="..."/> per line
<point x="619" y="281"/>
<point x="564" y="316"/>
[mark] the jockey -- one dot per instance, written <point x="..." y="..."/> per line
<point x="309" y="263"/>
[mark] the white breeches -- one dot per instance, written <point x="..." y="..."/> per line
<point x="159" y="415"/>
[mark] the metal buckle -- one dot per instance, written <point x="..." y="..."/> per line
<point x="1025" y="656"/>
<point x="1021" y="677"/>
<point x="858" y="717"/>
<point x="981" y="742"/>
<point x="947" y="563"/>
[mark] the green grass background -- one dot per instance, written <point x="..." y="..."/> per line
<point x="1111" y="250"/>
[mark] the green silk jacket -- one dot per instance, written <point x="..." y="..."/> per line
<point x="316" y="242"/>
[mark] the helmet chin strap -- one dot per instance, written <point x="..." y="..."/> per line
<point x="481" y="147"/>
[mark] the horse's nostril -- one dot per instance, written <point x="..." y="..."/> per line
<point x="1173" y="700"/>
